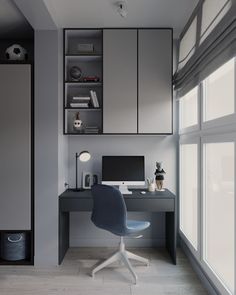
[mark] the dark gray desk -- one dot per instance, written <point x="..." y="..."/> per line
<point x="71" y="201"/>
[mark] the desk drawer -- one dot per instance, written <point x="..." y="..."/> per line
<point x="139" y="205"/>
<point x="73" y="204"/>
<point x="150" y="205"/>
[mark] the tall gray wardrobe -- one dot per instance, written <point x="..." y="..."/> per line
<point x="16" y="175"/>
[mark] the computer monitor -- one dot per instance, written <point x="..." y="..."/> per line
<point x="123" y="171"/>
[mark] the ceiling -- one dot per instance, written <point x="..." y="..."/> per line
<point x="13" y="24"/>
<point x="102" y="13"/>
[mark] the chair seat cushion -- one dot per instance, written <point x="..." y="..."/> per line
<point x="134" y="226"/>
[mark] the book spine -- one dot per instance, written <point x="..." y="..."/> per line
<point x="96" y="99"/>
<point x="81" y="98"/>
<point x="93" y="98"/>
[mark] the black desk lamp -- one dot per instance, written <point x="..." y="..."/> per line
<point x="84" y="156"/>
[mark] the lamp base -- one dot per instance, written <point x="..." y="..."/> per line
<point x="80" y="189"/>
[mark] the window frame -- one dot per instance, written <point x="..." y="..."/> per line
<point x="221" y="121"/>
<point x="222" y="128"/>
<point x="195" y="127"/>
<point x="216" y="138"/>
<point x="184" y="141"/>
<point x="184" y="59"/>
<point x="214" y="22"/>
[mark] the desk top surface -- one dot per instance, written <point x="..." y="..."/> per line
<point x="166" y="194"/>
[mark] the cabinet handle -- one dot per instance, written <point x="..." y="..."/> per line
<point x="14" y="241"/>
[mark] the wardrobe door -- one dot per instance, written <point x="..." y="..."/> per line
<point x="120" y="81"/>
<point x="155" y="81"/>
<point x="15" y="147"/>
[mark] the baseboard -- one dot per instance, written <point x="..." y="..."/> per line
<point x="129" y="242"/>
<point x="207" y="283"/>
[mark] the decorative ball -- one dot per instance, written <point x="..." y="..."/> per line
<point x="75" y="73"/>
<point x="16" y="52"/>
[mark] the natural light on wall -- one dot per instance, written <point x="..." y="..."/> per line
<point x="212" y="13"/>
<point x="218" y="208"/>
<point x="189" y="109"/>
<point x="189" y="192"/>
<point x="219" y="89"/>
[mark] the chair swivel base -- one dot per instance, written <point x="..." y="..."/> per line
<point x="124" y="256"/>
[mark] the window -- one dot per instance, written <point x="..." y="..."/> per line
<point x="187" y="44"/>
<point x="189" y="109"/>
<point x="189" y="192"/>
<point x="219" y="92"/>
<point x="218" y="208"/>
<point x="212" y="13"/>
<point x="207" y="175"/>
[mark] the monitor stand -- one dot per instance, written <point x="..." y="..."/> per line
<point x="124" y="190"/>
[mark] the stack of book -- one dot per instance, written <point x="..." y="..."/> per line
<point x="91" y="129"/>
<point x="94" y="99"/>
<point x="80" y="102"/>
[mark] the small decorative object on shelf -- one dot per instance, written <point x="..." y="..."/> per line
<point x="78" y="124"/>
<point x="159" y="176"/>
<point x="91" y="79"/>
<point x="16" y="52"/>
<point x="75" y="73"/>
<point x="151" y="185"/>
<point x="85" y="48"/>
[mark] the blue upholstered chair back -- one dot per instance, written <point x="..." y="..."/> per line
<point x="109" y="209"/>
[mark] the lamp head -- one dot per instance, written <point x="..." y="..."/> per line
<point x="84" y="156"/>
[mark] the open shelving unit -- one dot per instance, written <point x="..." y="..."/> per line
<point x="90" y="64"/>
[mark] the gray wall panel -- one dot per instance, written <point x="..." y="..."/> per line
<point x="46" y="148"/>
<point x="15" y="147"/>
<point x="155" y="81"/>
<point x="120" y="81"/>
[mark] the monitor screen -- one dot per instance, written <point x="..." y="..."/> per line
<point x="123" y="169"/>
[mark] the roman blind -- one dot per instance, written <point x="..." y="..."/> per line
<point x="214" y="25"/>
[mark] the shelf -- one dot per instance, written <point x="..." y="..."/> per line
<point x="84" y="83"/>
<point x="76" y="133"/>
<point x="83" y="33"/>
<point x="84" y="58"/>
<point x="83" y="109"/>
<point x="91" y="64"/>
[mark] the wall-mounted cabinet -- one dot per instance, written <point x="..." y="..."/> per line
<point x="155" y="81"/>
<point x="130" y="72"/>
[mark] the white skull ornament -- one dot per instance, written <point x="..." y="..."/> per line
<point x="77" y="122"/>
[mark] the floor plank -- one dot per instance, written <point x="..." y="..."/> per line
<point x="73" y="276"/>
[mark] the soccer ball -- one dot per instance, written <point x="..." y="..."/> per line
<point x="16" y="52"/>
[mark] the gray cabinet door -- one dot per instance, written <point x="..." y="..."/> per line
<point x="155" y="81"/>
<point x="120" y="81"/>
<point x="15" y="147"/>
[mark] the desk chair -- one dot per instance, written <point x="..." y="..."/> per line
<point x="110" y="213"/>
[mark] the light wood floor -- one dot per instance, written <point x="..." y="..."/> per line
<point x="72" y="277"/>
